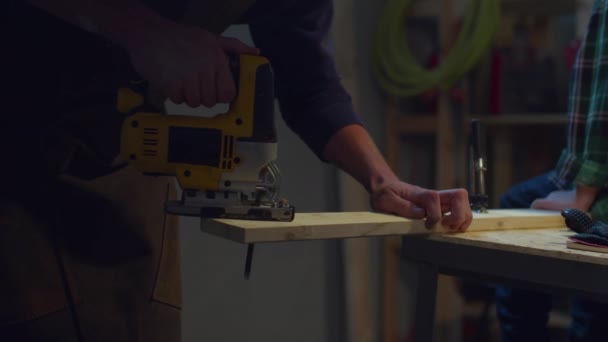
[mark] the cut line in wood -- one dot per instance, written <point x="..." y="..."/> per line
<point x="344" y="225"/>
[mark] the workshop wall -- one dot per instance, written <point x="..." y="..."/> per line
<point x="294" y="290"/>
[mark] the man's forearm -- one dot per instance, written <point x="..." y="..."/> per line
<point x="353" y="150"/>
<point x="121" y="21"/>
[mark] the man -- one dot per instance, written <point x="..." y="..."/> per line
<point x="129" y="289"/>
<point x="578" y="181"/>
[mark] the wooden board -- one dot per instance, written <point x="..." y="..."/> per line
<point x="342" y="225"/>
<point x="550" y="242"/>
<point x="583" y="247"/>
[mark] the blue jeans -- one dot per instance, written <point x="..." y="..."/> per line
<point x="523" y="314"/>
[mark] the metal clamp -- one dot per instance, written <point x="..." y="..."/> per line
<point x="478" y="197"/>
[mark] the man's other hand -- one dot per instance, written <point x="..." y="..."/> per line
<point x="188" y="64"/>
<point x="581" y="198"/>
<point x="410" y="201"/>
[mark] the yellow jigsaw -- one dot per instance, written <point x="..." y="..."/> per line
<point x="225" y="164"/>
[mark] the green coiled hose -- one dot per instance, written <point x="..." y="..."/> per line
<point x="398" y="72"/>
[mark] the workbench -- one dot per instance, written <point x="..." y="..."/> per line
<point x="522" y="247"/>
<point x="537" y="259"/>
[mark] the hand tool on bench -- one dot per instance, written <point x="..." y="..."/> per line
<point x="591" y="235"/>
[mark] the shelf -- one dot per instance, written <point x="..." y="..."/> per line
<point x="427" y="123"/>
<point x="544" y="7"/>
<point x="419" y="124"/>
<point x="524" y="119"/>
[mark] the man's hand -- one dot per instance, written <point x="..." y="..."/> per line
<point x="414" y="202"/>
<point x="353" y="150"/>
<point x="580" y="198"/>
<point x="188" y="64"/>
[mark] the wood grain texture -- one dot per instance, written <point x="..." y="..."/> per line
<point x="343" y="225"/>
<point x="550" y="242"/>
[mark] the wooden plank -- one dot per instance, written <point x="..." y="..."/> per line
<point x="344" y="225"/>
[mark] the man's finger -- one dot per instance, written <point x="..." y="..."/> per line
<point x="467" y="222"/>
<point x="454" y="220"/>
<point x="467" y="211"/>
<point x="430" y="201"/>
<point x="459" y="207"/>
<point x="398" y="206"/>
<point x="235" y="45"/>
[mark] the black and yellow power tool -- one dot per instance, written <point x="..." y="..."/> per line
<point x="225" y="164"/>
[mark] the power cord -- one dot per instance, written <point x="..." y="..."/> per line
<point x="66" y="285"/>
<point x="398" y="72"/>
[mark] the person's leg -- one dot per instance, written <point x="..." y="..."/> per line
<point x="523" y="194"/>
<point x="523" y="314"/>
<point x="589" y="317"/>
<point x="588" y="320"/>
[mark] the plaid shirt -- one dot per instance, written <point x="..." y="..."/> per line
<point x="585" y="158"/>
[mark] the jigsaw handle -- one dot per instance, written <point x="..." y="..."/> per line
<point x="200" y="150"/>
<point x="264" y="129"/>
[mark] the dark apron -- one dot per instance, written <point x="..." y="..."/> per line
<point x="70" y="223"/>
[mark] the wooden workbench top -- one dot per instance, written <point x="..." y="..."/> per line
<point x="341" y="225"/>
<point x="543" y="242"/>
